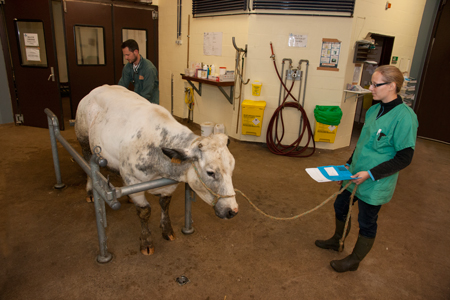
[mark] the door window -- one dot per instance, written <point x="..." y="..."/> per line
<point x="140" y="36"/>
<point x="30" y="35"/>
<point x="89" y="45"/>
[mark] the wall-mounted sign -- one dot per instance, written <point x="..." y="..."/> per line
<point x="31" y="39"/>
<point x="212" y="43"/>
<point x="329" y="56"/>
<point x="394" y="60"/>
<point x="297" y="40"/>
<point x="33" y="54"/>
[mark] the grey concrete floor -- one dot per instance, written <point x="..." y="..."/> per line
<point x="48" y="238"/>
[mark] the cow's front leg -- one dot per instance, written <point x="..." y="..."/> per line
<point x="144" y="211"/>
<point x="167" y="230"/>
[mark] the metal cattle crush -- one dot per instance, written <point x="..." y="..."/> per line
<point x="103" y="190"/>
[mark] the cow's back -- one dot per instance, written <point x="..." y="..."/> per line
<point x="118" y="120"/>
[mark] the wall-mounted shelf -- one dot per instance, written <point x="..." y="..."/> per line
<point x="219" y="84"/>
<point x="355" y="94"/>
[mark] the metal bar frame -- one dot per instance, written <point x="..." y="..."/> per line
<point x="103" y="190"/>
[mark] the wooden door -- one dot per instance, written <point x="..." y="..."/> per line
<point x="34" y="74"/>
<point x="90" y="52"/>
<point x="139" y="22"/>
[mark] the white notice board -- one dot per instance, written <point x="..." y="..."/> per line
<point x="212" y="43"/>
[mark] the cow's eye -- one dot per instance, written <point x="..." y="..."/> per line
<point x="211" y="174"/>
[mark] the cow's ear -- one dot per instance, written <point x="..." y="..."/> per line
<point x="177" y="155"/>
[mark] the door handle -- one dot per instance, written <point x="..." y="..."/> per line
<point x="52" y="75"/>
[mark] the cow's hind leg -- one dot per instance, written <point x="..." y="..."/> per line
<point x="86" y="150"/>
<point x="167" y="230"/>
<point x="144" y="211"/>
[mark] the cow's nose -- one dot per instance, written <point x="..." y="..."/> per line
<point x="231" y="213"/>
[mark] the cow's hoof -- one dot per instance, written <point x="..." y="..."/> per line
<point x="89" y="199"/>
<point x="147" y="250"/>
<point x="169" y="237"/>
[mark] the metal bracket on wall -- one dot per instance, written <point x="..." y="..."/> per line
<point x="199" y="90"/>
<point x="220" y="85"/>
<point x="354" y="94"/>
<point x="229" y="98"/>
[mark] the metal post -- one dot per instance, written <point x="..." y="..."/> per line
<point x="100" y="213"/>
<point x="188" y="229"/>
<point x="59" y="184"/>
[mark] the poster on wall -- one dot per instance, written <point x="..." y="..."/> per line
<point x="31" y="39"/>
<point x="212" y="43"/>
<point x="329" y="56"/>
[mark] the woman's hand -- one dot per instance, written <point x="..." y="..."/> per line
<point x="363" y="176"/>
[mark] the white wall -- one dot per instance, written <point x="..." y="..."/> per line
<point x="323" y="87"/>
<point x="212" y="105"/>
<point x="402" y="21"/>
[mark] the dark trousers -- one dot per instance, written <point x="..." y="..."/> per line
<point x="367" y="217"/>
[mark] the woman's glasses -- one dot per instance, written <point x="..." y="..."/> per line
<point x="375" y="85"/>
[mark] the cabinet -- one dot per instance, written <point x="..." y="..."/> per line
<point x="362" y="51"/>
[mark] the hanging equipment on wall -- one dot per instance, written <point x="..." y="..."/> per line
<point x="273" y="139"/>
<point x="238" y="76"/>
<point x="189" y="100"/>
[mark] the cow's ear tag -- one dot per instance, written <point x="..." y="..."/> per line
<point x="176" y="160"/>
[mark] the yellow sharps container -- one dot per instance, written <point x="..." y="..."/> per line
<point x="252" y="117"/>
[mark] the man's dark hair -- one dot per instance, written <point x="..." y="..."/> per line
<point x="131" y="44"/>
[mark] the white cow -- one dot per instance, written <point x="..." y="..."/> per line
<point x="143" y="142"/>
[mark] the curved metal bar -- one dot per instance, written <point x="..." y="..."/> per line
<point x="236" y="47"/>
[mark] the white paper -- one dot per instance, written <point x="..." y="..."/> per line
<point x="33" y="54"/>
<point x="212" y="43"/>
<point x="31" y="39"/>
<point x="297" y="40"/>
<point x="331" y="171"/>
<point x="316" y="175"/>
<point x="356" y="74"/>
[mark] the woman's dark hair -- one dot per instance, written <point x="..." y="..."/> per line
<point x="131" y="44"/>
<point x="391" y="74"/>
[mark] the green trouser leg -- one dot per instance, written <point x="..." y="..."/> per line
<point x="351" y="262"/>
<point x="333" y="242"/>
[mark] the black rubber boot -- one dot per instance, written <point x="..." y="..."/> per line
<point x="333" y="242"/>
<point x="351" y="262"/>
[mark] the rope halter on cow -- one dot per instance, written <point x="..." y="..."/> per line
<point x="216" y="195"/>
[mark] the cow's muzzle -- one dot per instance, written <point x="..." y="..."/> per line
<point x="224" y="211"/>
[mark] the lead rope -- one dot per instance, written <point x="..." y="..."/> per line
<point x="341" y="241"/>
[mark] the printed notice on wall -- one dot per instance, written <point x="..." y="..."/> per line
<point x="31" y="39"/>
<point x="33" y="54"/>
<point x="356" y="74"/>
<point x="329" y="57"/>
<point x="212" y="43"/>
<point x="297" y="40"/>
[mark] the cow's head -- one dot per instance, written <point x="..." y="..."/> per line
<point x="211" y="162"/>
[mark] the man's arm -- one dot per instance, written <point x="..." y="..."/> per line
<point x="126" y="78"/>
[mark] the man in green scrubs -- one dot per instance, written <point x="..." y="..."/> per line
<point x="139" y="71"/>
<point x="385" y="147"/>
